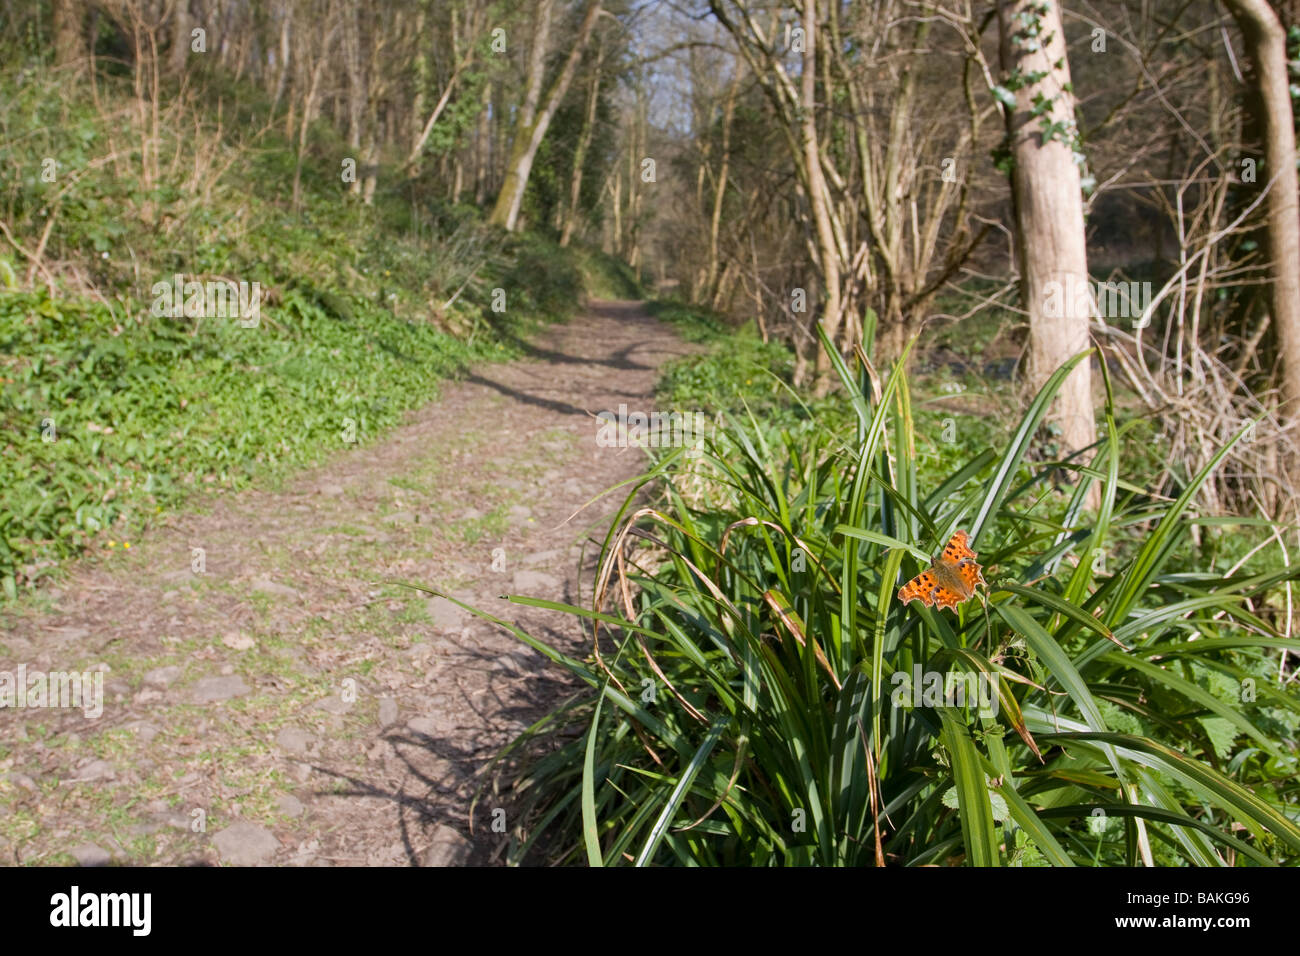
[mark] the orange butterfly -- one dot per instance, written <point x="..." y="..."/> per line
<point x="950" y="580"/>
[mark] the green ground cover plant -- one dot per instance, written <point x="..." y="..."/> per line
<point x="111" y="413"/>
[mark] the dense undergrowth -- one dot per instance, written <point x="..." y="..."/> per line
<point x="750" y="698"/>
<point x="112" y="413"/>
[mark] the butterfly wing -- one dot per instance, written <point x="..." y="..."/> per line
<point x="920" y="588"/>
<point x="967" y="567"/>
<point x="950" y="581"/>
<point x="971" y="575"/>
<point x="951" y="589"/>
<point x="958" y="547"/>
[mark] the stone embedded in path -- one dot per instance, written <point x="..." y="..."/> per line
<point x="330" y="491"/>
<point x="88" y="854"/>
<point x="162" y="677"/>
<point x="289" y="805"/>
<point x="333" y="704"/>
<point x="245" y="844"/>
<point x="211" y="689"/>
<point x="296" y="740"/>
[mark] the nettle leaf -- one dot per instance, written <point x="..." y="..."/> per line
<point x="1222" y="733"/>
<point x="996" y="800"/>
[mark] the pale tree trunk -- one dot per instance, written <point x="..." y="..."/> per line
<point x="616" y="190"/>
<point x="1049" y="213"/>
<point x="726" y="282"/>
<point x="1266" y="47"/>
<point x="827" y="251"/>
<point x="631" y="253"/>
<point x="368" y="169"/>
<point x="182" y="24"/>
<point x="537" y="114"/>
<point x="795" y="107"/>
<point x="357" y="93"/>
<point x="511" y="195"/>
<point x="286" y="16"/>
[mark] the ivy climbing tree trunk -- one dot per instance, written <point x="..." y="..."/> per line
<point x="537" y="114"/>
<point x="1046" y="193"/>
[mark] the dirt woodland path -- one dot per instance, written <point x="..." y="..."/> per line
<point x="229" y="733"/>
